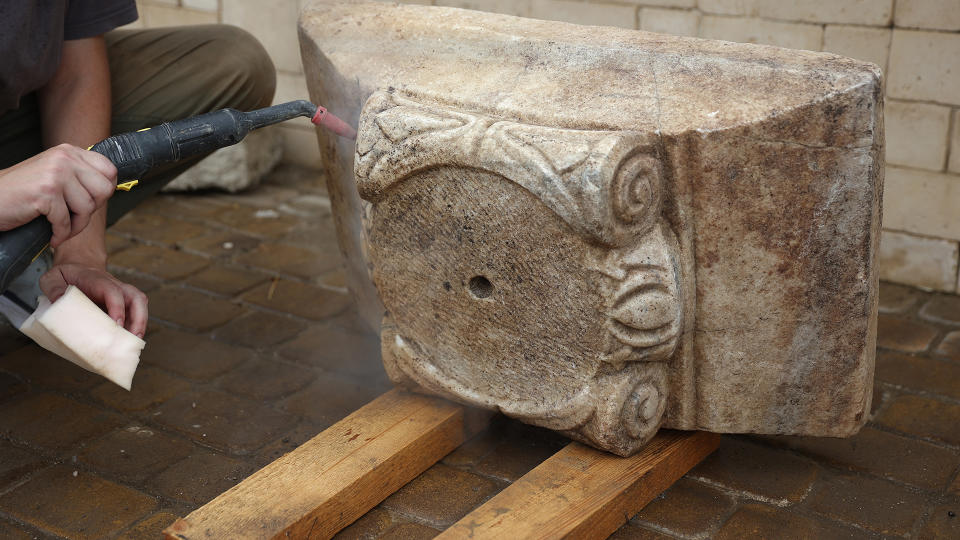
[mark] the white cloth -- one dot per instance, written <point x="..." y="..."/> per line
<point x="76" y="329"/>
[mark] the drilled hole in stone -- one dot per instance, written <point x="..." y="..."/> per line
<point x="480" y="287"/>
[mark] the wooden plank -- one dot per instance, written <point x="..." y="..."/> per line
<point x="336" y="477"/>
<point x="581" y="492"/>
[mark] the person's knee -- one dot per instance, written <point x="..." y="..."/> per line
<point x="244" y="61"/>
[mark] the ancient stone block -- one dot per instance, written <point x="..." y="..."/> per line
<point x="604" y="231"/>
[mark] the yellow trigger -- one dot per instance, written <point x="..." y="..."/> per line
<point x="127" y="186"/>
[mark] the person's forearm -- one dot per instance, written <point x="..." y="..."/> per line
<point x="75" y="109"/>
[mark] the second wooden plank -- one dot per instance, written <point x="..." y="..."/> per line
<point x="581" y="492"/>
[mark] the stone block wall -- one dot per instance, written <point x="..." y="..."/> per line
<point x="916" y="42"/>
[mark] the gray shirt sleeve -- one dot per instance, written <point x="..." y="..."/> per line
<point x="88" y="18"/>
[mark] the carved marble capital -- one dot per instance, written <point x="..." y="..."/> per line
<point x="599" y="229"/>
<point x="483" y="230"/>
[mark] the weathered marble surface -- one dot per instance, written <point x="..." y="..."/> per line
<point x="604" y="231"/>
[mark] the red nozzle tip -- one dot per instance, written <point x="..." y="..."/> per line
<point x="328" y="120"/>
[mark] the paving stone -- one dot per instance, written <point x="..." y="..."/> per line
<point x="265" y="379"/>
<point x="288" y="442"/>
<point x="225" y="280"/>
<point x="371" y="525"/>
<point x="904" y="335"/>
<point x="337" y="350"/>
<point x="320" y="237"/>
<point x="16" y="463"/>
<point x="874" y="504"/>
<point x="263" y="222"/>
<point x="521" y="448"/>
<point x="629" y="531"/>
<point x="351" y="320"/>
<point x="151" y="387"/>
<point x="259" y="329"/>
<point x="478" y="447"/>
<point x="298" y="299"/>
<point x="898" y="298"/>
<point x="460" y="492"/>
<point x="200" y="477"/>
<point x="883" y="454"/>
<point x="9" y="385"/>
<point x="205" y="312"/>
<point x="80" y="505"/>
<point x="134" y="453"/>
<point x="334" y="278"/>
<point x="330" y="398"/>
<point x="157" y="261"/>
<point x="47" y="370"/>
<point x="150" y="528"/>
<point x="409" y="531"/>
<point x="943" y="522"/>
<point x="157" y="228"/>
<point x="214" y="418"/>
<point x="944" y="309"/>
<point x="919" y="373"/>
<point x="116" y="243"/>
<point x="10" y="531"/>
<point x="688" y="508"/>
<point x="141" y="281"/>
<point x="761" y="521"/>
<point x="950" y="346"/>
<point x="191" y="355"/>
<point x="880" y="398"/>
<point x="189" y="206"/>
<point x="290" y="260"/>
<point x="923" y="417"/>
<point x="221" y="244"/>
<point x="758" y="471"/>
<point x="263" y="195"/>
<point x="52" y="421"/>
<point x="10" y="338"/>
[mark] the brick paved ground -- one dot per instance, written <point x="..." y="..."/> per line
<point x="253" y="348"/>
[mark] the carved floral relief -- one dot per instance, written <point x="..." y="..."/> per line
<point x="608" y="386"/>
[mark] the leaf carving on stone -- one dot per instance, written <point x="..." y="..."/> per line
<point x="604" y="184"/>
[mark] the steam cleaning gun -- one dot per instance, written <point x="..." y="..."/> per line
<point x="136" y="153"/>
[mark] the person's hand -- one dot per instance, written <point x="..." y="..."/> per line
<point x="66" y="184"/>
<point x="123" y="302"/>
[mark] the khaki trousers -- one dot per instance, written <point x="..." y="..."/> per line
<point x="159" y="75"/>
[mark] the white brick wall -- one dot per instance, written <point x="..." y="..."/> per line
<point x="579" y="12"/>
<point x="925" y="66"/>
<point x="754" y="30"/>
<point x="860" y="42"/>
<point x="916" y="42"/>
<point x="932" y="14"/>
<point x="679" y="22"/>
<point x="922" y="202"/>
<point x="955" y="144"/>
<point x="916" y="134"/>
<point x="930" y="263"/>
